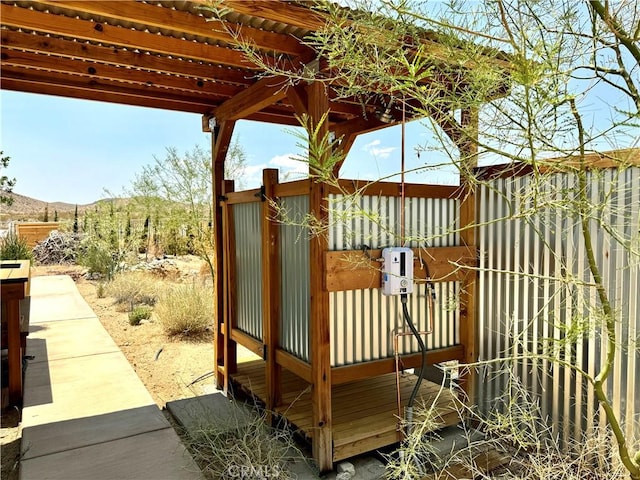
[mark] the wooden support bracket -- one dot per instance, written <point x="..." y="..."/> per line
<point x="261" y="94"/>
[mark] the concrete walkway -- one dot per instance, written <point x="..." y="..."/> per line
<point x="86" y="413"/>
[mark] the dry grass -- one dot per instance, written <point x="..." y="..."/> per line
<point x="513" y="442"/>
<point x="185" y="310"/>
<point x="242" y="445"/>
<point x="129" y="289"/>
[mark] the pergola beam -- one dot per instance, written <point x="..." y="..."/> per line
<point x="358" y="126"/>
<point x="94" y="71"/>
<point x="58" y="47"/>
<point x="297" y="96"/>
<point x="100" y="91"/>
<point x="320" y="333"/>
<point x="468" y="147"/>
<point x="261" y="94"/>
<point x="122" y="37"/>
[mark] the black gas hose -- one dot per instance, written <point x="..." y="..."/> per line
<point x="423" y="349"/>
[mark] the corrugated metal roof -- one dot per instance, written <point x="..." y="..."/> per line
<point x="193" y="8"/>
<point x="126" y="42"/>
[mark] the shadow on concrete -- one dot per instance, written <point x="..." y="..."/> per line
<point x="39" y="376"/>
<point x="131" y="444"/>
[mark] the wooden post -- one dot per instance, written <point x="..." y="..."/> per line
<point x="468" y="145"/>
<point x="229" y="288"/>
<point x="220" y="139"/>
<point x="271" y="289"/>
<point x="320" y="333"/>
<point x="12" y="293"/>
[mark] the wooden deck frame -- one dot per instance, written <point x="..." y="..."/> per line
<point x="229" y="300"/>
<point x="220" y="140"/>
<point x="348" y="373"/>
<point x="329" y="272"/>
<point x="369" y="423"/>
<point x="468" y="146"/>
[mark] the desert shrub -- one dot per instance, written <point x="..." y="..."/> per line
<point x="173" y="243"/>
<point x="98" y="258"/>
<point x="241" y="445"/>
<point x="139" y="313"/>
<point x="13" y="247"/>
<point x="513" y="430"/>
<point x="185" y="309"/>
<point x="100" y="290"/>
<point x="133" y="288"/>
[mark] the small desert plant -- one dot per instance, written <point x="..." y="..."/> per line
<point x="513" y="441"/>
<point x="133" y="288"/>
<point x="100" y="290"/>
<point x="185" y="310"/>
<point x="139" y="313"/>
<point x="241" y="445"/>
<point x="98" y="258"/>
<point x="13" y="247"/>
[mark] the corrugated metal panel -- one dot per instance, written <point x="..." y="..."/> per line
<point x="248" y="268"/>
<point x="195" y="8"/>
<point x="534" y="286"/>
<point x="363" y="322"/>
<point x="294" y="264"/>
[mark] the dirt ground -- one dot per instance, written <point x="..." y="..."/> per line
<point x="170" y="368"/>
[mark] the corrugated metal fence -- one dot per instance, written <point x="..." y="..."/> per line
<point x="248" y="249"/>
<point x="295" y="278"/>
<point x="363" y="322"/>
<point x="536" y="294"/>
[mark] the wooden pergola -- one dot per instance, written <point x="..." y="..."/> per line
<point x="177" y="55"/>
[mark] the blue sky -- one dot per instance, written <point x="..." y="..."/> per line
<point x="72" y="150"/>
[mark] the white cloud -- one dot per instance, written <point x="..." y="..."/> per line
<point x="373" y="149"/>
<point x="290" y="164"/>
<point x="251" y="176"/>
<point x="369" y="145"/>
<point x="382" y="152"/>
<point x="251" y="170"/>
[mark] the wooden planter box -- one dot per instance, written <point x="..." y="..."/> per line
<point x="15" y="276"/>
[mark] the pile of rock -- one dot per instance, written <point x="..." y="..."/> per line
<point x="161" y="267"/>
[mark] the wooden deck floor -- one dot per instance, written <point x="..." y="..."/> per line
<point x="364" y="412"/>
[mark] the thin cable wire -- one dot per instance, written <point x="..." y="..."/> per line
<point x="402" y="236"/>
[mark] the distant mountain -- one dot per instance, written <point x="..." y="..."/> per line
<point x="30" y="209"/>
<point x="23" y="205"/>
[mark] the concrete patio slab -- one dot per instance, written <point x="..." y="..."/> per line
<point x="56" y="298"/>
<point x="56" y="437"/>
<point x="213" y="409"/>
<point x="82" y="387"/>
<point x="52" y="285"/>
<point x="86" y="414"/>
<point x="68" y="339"/>
<point x="149" y="456"/>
